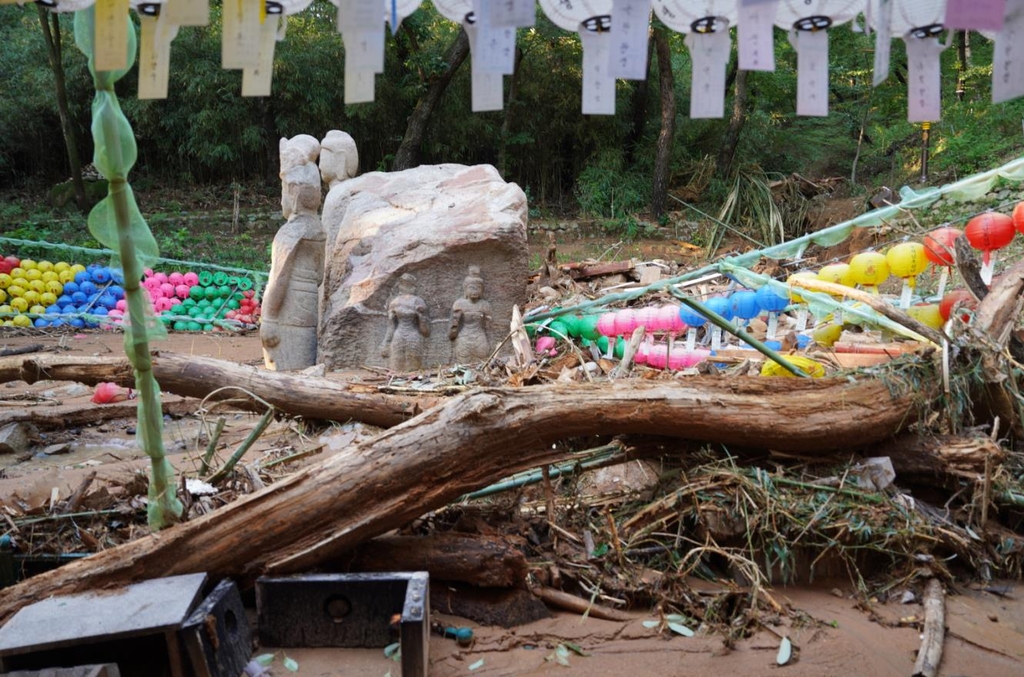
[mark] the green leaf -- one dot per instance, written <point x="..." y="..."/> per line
<point x="562" y="655"/>
<point x="680" y="629"/>
<point x="601" y="550"/>
<point x="290" y="664"/>
<point x="785" y="651"/>
<point x="265" y="659"/>
<point x="476" y="666"/>
<point x="651" y="624"/>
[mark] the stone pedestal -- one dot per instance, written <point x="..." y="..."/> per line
<point x="441" y="225"/>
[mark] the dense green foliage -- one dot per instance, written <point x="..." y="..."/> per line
<point x="206" y="133"/>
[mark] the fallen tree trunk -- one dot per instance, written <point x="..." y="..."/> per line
<point x="190" y="376"/>
<point x="65" y="416"/>
<point x="467" y="443"/>
<point x="480" y="560"/>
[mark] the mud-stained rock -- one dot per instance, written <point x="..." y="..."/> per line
<point x="424" y="267"/>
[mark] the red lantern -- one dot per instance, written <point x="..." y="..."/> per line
<point x="1018" y="217"/>
<point x="938" y="245"/>
<point x="988" y="232"/>
<point x="959" y="297"/>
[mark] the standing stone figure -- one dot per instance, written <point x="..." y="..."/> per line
<point x="408" y="326"/>
<point x="339" y="161"/>
<point x="471" y="318"/>
<point x="288" y="328"/>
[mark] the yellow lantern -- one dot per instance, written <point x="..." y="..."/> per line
<point x="22" y="321"/>
<point x="869" y="269"/>
<point x="19" y="304"/>
<point x="801" y="312"/>
<point x="837" y="273"/>
<point x="66" y="276"/>
<point x="907" y="260"/>
<point x="28" y="264"/>
<point x="45" y="266"/>
<point x="927" y="314"/>
<point x="61" y="266"/>
<point x="3" y="296"/>
<point x="15" y="290"/>
<point x="5" y="280"/>
<point x="77" y="268"/>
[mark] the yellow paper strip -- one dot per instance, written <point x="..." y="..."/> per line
<point x="155" y="55"/>
<point x="240" y="46"/>
<point x="187" y="12"/>
<point x="256" y="81"/>
<point x="111" y="37"/>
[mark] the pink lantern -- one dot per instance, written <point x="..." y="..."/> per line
<point x="190" y="278"/>
<point x="148" y="272"/>
<point x="167" y="289"/>
<point x="181" y="291"/>
<point x="175" y="301"/>
<point x="641" y="354"/>
<point x="645" y="317"/>
<point x="116" y="315"/>
<point x="668" y="319"/>
<point x="657" y="356"/>
<point x="606" y="324"/>
<point x="175" y="278"/>
<point x="161" y="304"/>
<point x="546" y="344"/>
<point x="160" y="277"/>
<point x="121" y="305"/>
<point x="154" y="294"/>
<point x="625" y="322"/>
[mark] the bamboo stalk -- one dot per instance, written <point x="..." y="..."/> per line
<point x="212" y="446"/>
<point x="930" y="654"/>
<point x="254" y="434"/>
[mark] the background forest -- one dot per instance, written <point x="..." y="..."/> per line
<point x="616" y="167"/>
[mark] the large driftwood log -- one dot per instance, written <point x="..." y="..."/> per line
<point x="190" y="376"/>
<point x="485" y="561"/>
<point x="473" y="440"/>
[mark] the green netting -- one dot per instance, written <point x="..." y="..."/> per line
<point x="117" y="224"/>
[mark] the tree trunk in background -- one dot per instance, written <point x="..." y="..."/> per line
<point x="272" y="160"/>
<point x="53" y="51"/>
<point x="731" y="138"/>
<point x="963" y="58"/>
<point x="506" y="124"/>
<point x="663" y="150"/>
<point x="408" y="153"/>
<point x="639" y="122"/>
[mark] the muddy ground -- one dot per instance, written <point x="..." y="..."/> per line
<point x="836" y="631"/>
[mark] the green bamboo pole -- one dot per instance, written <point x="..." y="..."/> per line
<point x="116" y="223"/>
<point x="725" y="325"/>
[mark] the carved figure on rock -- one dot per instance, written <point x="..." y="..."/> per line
<point x="408" y="327"/>
<point x="288" y="328"/>
<point x="471" y="318"/>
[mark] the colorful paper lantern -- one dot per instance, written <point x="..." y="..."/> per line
<point x="869" y="269"/>
<point x="907" y="260"/>
<point x="988" y="233"/>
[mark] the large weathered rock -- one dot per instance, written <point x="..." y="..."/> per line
<point x="438" y="230"/>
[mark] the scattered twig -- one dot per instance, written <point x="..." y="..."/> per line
<point x="212" y="446"/>
<point x="564" y="600"/>
<point x="254" y="434"/>
<point x="76" y="498"/>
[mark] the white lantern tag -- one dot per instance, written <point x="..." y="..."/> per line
<point x="1008" y="57"/>
<point x="924" y="80"/>
<point x="487" y="87"/>
<point x="188" y="12"/>
<point x="110" y="44"/>
<point x="359" y="85"/>
<point x="811" y="68"/>
<point x="630" y="22"/>
<point x="513" y="13"/>
<point x="978" y="15"/>
<point x="256" y="80"/>
<point x="755" y="34"/>
<point x="598" y="83"/>
<point x="155" y="35"/>
<point x="240" y="34"/>
<point x="883" y="41"/>
<point x="709" y="54"/>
